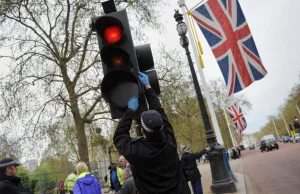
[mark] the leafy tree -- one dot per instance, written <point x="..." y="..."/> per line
<point x="24" y="175"/>
<point x="54" y="61"/>
<point x="8" y="149"/>
<point x="288" y="111"/>
<point x="60" y="166"/>
<point x="42" y="180"/>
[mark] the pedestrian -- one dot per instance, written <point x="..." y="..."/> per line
<point x="239" y="151"/>
<point x="153" y="158"/>
<point x="114" y="177"/>
<point x="129" y="185"/>
<point x="61" y="187"/>
<point x="183" y="170"/>
<point x="230" y="153"/>
<point x="85" y="183"/>
<point x="204" y="159"/>
<point x="10" y="183"/>
<point x="227" y="153"/>
<point x="234" y="154"/>
<point x="123" y="162"/>
<point x="188" y="160"/>
<point x="105" y="177"/>
<point x="69" y="182"/>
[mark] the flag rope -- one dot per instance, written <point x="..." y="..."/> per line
<point x="198" y="44"/>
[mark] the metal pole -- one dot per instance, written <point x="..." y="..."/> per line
<point x="221" y="180"/>
<point x="214" y="120"/>
<point x="275" y="128"/>
<point x="227" y="122"/>
<point x="286" y="125"/>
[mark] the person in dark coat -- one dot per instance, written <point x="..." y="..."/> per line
<point x="129" y="185"/>
<point x="239" y="151"/>
<point x="188" y="160"/>
<point x="153" y="158"/>
<point x="234" y="153"/>
<point x="10" y="183"/>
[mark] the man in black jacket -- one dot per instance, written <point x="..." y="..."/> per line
<point x="153" y="158"/>
<point x="10" y="183"/>
<point x="188" y="160"/>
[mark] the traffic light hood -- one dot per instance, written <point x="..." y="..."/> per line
<point x="108" y="27"/>
<point x="114" y="57"/>
<point x="118" y="86"/>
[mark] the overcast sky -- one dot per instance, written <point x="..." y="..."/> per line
<point x="275" y="28"/>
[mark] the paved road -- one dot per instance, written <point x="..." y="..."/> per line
<point x="274" y="172"/>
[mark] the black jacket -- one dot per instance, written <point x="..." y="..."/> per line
<point x="12" y="185"/>
<point x="155" y="166"/>
<point x="189" y="164"/>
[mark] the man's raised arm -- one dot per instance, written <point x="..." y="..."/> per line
<point x="122" y="139"/>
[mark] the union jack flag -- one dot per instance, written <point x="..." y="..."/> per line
<point x="240" y="134"/>
<point x="237" y="118"/>
<point x="225" y="27"/>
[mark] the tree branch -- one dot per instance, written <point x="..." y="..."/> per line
<point x="83" y="56"/>
<point x="92" y="107"/>
<point x="66" y="28"/>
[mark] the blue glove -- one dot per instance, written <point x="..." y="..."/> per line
<point x="133" y="103"/>
<point x="143" y="79"/>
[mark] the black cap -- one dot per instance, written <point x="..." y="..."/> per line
<point x="151" y="121"/>
<point x="8" y="162"/>
<point x="185" y="148"/>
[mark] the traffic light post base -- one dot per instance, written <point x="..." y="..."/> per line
<point x="221" y="180"/>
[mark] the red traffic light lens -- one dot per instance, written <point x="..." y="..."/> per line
<point x="112" y="34"/>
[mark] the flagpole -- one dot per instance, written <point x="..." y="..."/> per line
<point x="275" y="128"/>
<point x="227" y="122"/>
<point x="214" y="120"/>
<point x="286" y="125"/>
<point x="226" y="118"/>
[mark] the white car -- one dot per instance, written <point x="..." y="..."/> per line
<point x="296" y="137"/>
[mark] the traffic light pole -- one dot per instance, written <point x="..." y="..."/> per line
<point x="221" y="180"/>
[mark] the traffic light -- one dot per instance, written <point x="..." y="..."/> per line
<point x="119" y="61"/>
<point x="146" y="65"/>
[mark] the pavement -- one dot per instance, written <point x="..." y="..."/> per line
<point x="274" y="172"/>
<point x="237" y="169"/>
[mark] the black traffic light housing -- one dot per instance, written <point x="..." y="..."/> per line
<point x="119" y="61"/>
<point x="146" y="65"/>
<point x="122" y="61"/>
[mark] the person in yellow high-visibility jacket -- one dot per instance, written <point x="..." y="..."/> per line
<point x="69" y="182"/>
<point x="114" y="177"/>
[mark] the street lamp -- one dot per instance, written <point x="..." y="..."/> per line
<point x="221" y="181"/>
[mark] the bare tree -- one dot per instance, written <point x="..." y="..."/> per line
<point x="55" y="69"/>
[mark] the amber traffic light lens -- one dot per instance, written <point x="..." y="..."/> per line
<point x="118" y="61"/>
<point x="112" y="34"/>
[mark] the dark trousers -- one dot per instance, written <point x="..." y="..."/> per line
<point x="197" y="186"/>
<point x="117" y="188"/>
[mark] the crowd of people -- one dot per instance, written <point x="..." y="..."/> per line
<point x="148" y="165"/>
<point x="233" y="153"/>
